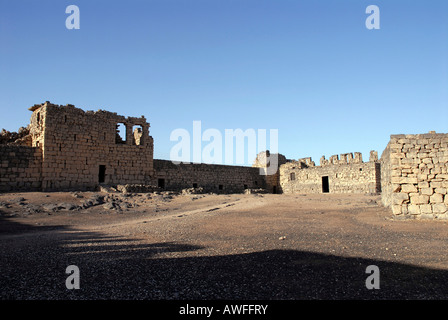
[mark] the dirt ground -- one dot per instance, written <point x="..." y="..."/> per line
<point x="206" y="247"/>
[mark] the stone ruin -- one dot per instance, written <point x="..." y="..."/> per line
<point x="66" y="148"/>
<point x="414" y="178"/>
<point x="344" y="173"/>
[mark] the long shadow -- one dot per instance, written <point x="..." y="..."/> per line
<point x="117" y="268"/>
<point x="8" y="226"/>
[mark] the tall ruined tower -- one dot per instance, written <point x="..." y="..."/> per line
<point x="81" y="150"/>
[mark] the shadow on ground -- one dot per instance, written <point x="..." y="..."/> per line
<point x="114" y="268"/>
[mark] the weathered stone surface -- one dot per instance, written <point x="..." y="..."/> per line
<point x="399" y="198"/>
<point x="439" y="208"/>
<point x="345" y="175"/>
<point x="436" y="198"/>
<point x="426" y="208"/>
<point x="414" y="209"/>
<point x="396" y="209"/>
<point x="407" y="188"/>
<point x="419" y="199"/>
<point x="427" y="191"/>
<point x="84" y="151"/>
<point x="416" y="161"/>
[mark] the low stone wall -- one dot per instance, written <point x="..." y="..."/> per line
<point x="20" y="168"/>
<point x="418" y="175"/>
<point x="210" y="177"/>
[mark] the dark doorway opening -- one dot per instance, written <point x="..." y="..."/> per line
<point x="325" y="185"/>
<point x="220" y="187"/>
<point x="102" y="174"/>
<point x="161" y="183"/>
<point x="274" y="189"/>
<point x="195" y="185"/>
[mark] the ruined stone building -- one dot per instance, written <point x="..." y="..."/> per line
<point x="79" y="150"/>
<point x="414" y="175"/>
<point x="71" y="149"/>
<point x="340" y="174"/>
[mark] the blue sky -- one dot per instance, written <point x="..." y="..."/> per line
<point x="310" y="69"/>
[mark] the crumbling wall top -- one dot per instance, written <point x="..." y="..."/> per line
<point x="100" y="112"/>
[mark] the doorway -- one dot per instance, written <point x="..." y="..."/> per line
<point x="325" y="185"/>
<point x="161" y="183"/>
<point x="102" y="174"/>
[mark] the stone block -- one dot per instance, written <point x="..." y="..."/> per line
<point x="399" y="198"/>
<point x="408" y="188"/>
<point x="439" y="208"/>
<point x="419" y="199"/>
<point x="409" y="180"/>
<point x="436" y="184"/>
<point x="436" y="198"/>
<point x="426" y="216"/>
<point x="426" y="208"/>
<point x="441" y="190"/>
<point x="396" y="209"/>
<point x="424" y="184"/>
<point x="427" y="191"/>
<point x="414" y="209"/>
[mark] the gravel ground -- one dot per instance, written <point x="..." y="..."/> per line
<point x="212" y="247"/>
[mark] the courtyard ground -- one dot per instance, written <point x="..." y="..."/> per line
<point x="209" y="247"/>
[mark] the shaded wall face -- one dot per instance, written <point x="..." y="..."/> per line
<point x="20" y="168"/>
<point x="80" y="150"/>
<point x="386" y="186"/>
<point x="213" y="178"/>
<point x="418" y="175"/>
<point x="272" y="179"/>
<point x="344" y="178"/>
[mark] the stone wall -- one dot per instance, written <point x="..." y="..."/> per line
<point x="82" y="149"/>
<point x="418" y="182"/>
<point x="271" y="174"/>
<point x="210" y="177"/>
<point x="347" y="174"/>
<point x="20" y="168"/>
<point x="386" y="186"/>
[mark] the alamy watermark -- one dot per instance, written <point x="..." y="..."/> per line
<point x="373" y="20"/>
<point x="72" y="281"/>
<point x="73" y="20"/>
<point x="229" y="148"/>
<point x="373" y="281"/>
